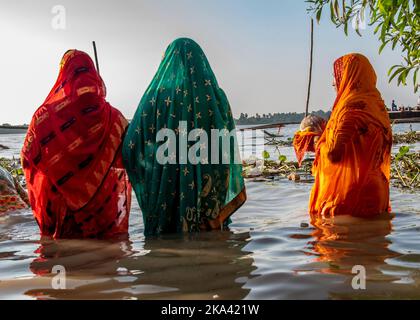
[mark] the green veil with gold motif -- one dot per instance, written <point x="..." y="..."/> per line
<point x="179" y="195"/>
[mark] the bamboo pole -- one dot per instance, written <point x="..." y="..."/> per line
<point x="310" y="69"/>
<point x="96" y="56"/>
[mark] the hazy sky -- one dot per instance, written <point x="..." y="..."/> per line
<point x="258" y="49"/>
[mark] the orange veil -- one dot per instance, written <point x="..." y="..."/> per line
<point x="352" y="164"/>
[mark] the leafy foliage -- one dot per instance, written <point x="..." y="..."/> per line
<point x="396" y="22"/>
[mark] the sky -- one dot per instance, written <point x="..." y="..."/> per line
<point x="258" y="49"/>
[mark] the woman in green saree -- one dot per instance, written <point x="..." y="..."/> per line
<point x="179" y="195"/>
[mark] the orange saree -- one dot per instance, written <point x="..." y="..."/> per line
<point x="72" y="159"/>
<point x="352" y="164"/>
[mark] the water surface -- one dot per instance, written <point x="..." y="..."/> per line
<point x="271" y="252"/>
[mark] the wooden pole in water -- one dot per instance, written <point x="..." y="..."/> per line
<point x="96" y="56"/>
<point x="310" y="68"/>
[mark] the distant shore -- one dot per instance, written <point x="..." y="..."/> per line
<point x="13" y="129"/>
<point x="267" y="124"/>
<point x="295" y="118"/>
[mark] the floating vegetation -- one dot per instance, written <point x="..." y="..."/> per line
<point x="266" y="169"/>
<point x="405" y="169"/>
<point x="273" y="140"/>
<point x="410" y="137"/>
<point x="15" y="168"/>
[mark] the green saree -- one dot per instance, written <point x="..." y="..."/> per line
<point x="184" y="196"/>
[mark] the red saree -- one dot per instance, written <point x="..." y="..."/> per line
<point x="71" y="157"/>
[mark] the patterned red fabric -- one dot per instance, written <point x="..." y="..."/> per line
<point x="71" y="157"/>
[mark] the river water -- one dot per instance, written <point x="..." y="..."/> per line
<point x="271" y="252"/>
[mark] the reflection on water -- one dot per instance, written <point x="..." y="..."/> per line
<point x="271" y="252"/>
<point x="347" y="241"/>
<point x="207" y="266"/>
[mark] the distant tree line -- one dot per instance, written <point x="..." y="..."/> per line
<point x="11" y="125"/>
<point x="290" y="117"/>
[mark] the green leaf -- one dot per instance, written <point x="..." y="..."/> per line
<point x="402" y="152"/>
<point x="346" y="28"/>
<point x="401" y="69"/>
<point x="266" y="155"/>
<point x="318" y="15"/>
<point x="336" y="9"/>
<point x="392" y="68"/>
<point x="394" y="42"/>
<point x="282" y="158"/>
<point x="383" y="45"/>
<point x="403" y="77"/>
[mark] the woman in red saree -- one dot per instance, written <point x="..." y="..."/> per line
<point x="352" y="164"/>
<point x="71" y="157"/>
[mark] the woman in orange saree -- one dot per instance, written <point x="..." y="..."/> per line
<point x="352" y="164"/>
<point x="72" y="160"/>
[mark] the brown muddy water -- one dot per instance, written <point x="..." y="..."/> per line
<point x="271" y="252"/>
